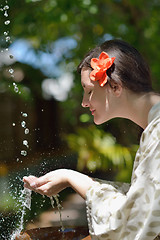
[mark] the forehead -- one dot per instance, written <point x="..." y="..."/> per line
<point x="85" y="79"/>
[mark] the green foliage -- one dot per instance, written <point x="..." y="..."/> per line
<point x="99" y="150"/>
<point x="89" y="22"/>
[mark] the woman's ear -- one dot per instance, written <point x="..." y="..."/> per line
<point x="116" y="89"/>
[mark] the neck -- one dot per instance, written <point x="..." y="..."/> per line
<point x="137" y="107"/>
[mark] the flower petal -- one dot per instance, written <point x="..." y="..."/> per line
<point x="92" y="75"/>
<point x="100" y="67"/>
<point x="110" y="62"/>
<point x="107" y="63"/>
<point x="96" y="75"/>
<point x="94" y="62"/>
<point x="103" y="56"/>
<point x="103" y="79"/>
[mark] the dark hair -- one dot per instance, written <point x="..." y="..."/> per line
<point x="129" y="67"/>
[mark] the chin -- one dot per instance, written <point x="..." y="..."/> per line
<point x="99" y="121"/>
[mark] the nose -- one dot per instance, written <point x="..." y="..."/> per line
<point x="85" y="102"/>
<point x="84" y="105"/>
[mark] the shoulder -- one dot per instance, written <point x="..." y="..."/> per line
<point x="152" y="132"/>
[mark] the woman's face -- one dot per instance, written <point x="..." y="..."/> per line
<point x="100" y="100"/>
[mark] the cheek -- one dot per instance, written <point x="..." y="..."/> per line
<point x="99" y="102"/>
<point x="100" y="107"/>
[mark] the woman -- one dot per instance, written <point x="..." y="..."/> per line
<point x="116" y="82"/>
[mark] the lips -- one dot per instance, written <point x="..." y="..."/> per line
<point x="92" y="112"/>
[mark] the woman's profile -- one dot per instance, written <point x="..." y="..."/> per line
<point x="117" y="83"/>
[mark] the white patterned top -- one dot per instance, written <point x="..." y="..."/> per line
<point x="119" y="211"/>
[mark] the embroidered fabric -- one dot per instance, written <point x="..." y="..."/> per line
<point x="130" y="212"/>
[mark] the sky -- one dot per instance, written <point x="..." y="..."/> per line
<point x="57" y="83"/>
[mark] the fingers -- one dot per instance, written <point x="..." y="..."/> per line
<point x="40" y="181"/>
<point x="33" y="183"/>
<point x="26" y="185"/>
<point x="47" y="190"/>
<point x="50" y="184"/>
<point x="43" y="190"/>
<point x="29" y="179"/>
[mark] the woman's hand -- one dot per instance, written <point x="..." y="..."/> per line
<point x="50" y="184"/>
<point x="53" y="182"/>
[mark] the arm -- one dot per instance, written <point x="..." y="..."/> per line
<point x="79" y="182"/>
<point x="53" y="182"/>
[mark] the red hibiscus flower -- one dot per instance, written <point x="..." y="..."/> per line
<point x="100" y="67"/>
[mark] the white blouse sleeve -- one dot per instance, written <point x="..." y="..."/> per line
<point x="117" y="212"/>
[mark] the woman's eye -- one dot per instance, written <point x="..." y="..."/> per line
<point x="89" y="92"/>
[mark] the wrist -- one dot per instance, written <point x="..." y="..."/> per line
<point x="66" y="177"/>
<point x="78" y="181"/>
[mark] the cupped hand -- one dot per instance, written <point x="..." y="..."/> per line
<point x="50" y="184"/>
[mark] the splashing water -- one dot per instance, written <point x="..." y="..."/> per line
<point x="25" y="195"/>
<point x="25" y="200"/>
<point x="11" y="71"/>
<point x="25" y="143"/>
<point x="24" y="114"/>
<point x="23" y="124"/>
<point x="26" y="131"/>
<point x="59" y="206"/>
<point x="16" y="89"/>
<point x="24" y="153"/>
<point x="7" y="22"/>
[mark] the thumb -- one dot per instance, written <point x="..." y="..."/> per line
<point x="30" y="179"/>
<point x="37" y="182"/>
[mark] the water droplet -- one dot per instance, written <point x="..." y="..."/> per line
<point x="24" y="114"/>
<point x="7" y="22"/>
<point x="6" y="14"/>
<point x="6" y="7"/>
<point x="7" y="39"/>
<point x="25" y="142"/>
<point x="16" y="89"/>
<point x="23" y="124"/>
<point x="5" y="33"/>
<point x="26" y="131"/>
<point x="11" y="71"/>
<point x="23" y="153"/>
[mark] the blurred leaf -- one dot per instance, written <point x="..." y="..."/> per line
<point x="99" y="150"/>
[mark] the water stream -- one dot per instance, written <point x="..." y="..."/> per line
<point x="25" y="196"/>
<point x="59" y="207"/>
<point x="25" y="200"/>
